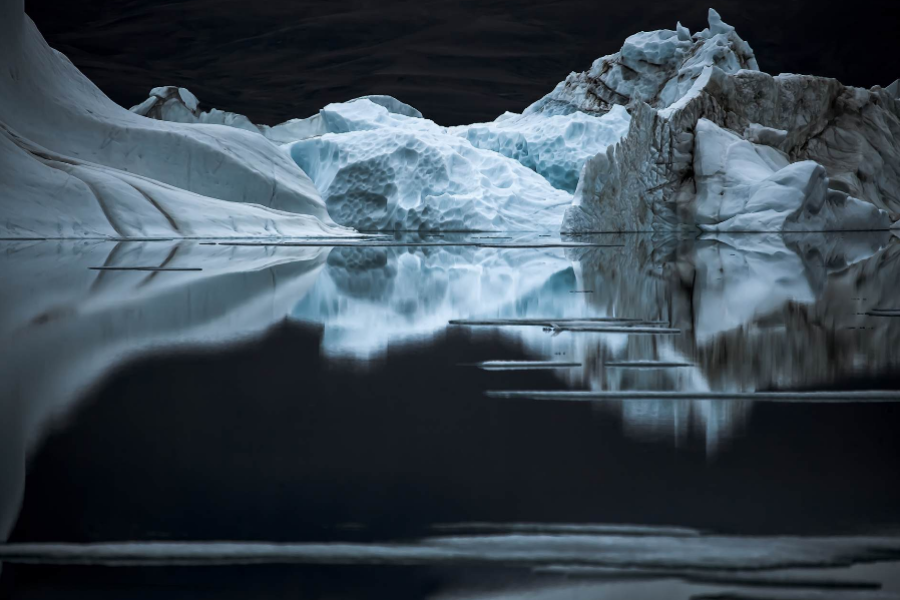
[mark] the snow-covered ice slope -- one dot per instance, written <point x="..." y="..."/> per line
<point x="390" y="171"/>
<point x="46" y="194"/>
<point x="555" y="146"/>
<point x="75" y="163"/>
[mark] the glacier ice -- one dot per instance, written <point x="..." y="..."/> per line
<point x="380" y="165"/>
<point x="670" y="80"/>
<point x="743" y="186"/>
<point x="395" y="172"/>
<point x="656" y="67"/>
<point x="75" y="164"/>
<point x="555" y="146"/>
<point x="646" y="181"/>
<point x="621" y="144"/>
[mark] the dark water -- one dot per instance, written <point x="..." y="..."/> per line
<point x="316" y="397"/>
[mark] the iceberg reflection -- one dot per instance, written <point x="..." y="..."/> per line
<point x="64" y="325"/>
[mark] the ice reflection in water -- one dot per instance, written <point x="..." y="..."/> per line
<point x="756" y="312"/>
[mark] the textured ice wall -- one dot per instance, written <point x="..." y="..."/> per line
<point x="646" y="181"/>
<point x="555" y="146"/>
<point x="742" y="186"/>
<point x="398" y="177"/>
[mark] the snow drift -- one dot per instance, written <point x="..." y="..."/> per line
<point x="73" y="163"/>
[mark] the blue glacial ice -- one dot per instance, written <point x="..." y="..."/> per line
<point x="384" y="171"/>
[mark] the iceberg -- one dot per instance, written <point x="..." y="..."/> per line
<point x="380" y="165"/>
<point x="648" y="181"/>
<point x="656" y="67"/>
<point x="180" y="105"/>
<point x="73" y="163"/>
<point x="675" y="131"/>
<point x="392" y="172"/>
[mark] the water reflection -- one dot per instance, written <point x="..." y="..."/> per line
<point x="755" y="313"/>
<point x="63" y="326"/>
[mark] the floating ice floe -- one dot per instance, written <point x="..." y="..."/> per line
<point x="74" y="164"/>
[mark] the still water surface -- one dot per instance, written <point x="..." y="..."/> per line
<point x="339" y="414"/>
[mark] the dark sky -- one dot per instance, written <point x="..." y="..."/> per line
<point x="457" y="61"/>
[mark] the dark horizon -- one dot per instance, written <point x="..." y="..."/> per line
<point x="457" y="62"/>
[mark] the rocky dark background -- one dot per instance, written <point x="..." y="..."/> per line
<point x="458" y="61"/>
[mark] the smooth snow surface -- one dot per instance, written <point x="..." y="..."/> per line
<point x="555" y="146"/>
<point x="390" y="171"/>
<point x="73" y="163"/>
<point x="743" y="186"/>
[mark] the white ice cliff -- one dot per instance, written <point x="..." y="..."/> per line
<point x="75" y="164"/>
<point x="742" y="186"/>
<point x="653" y="180"/>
